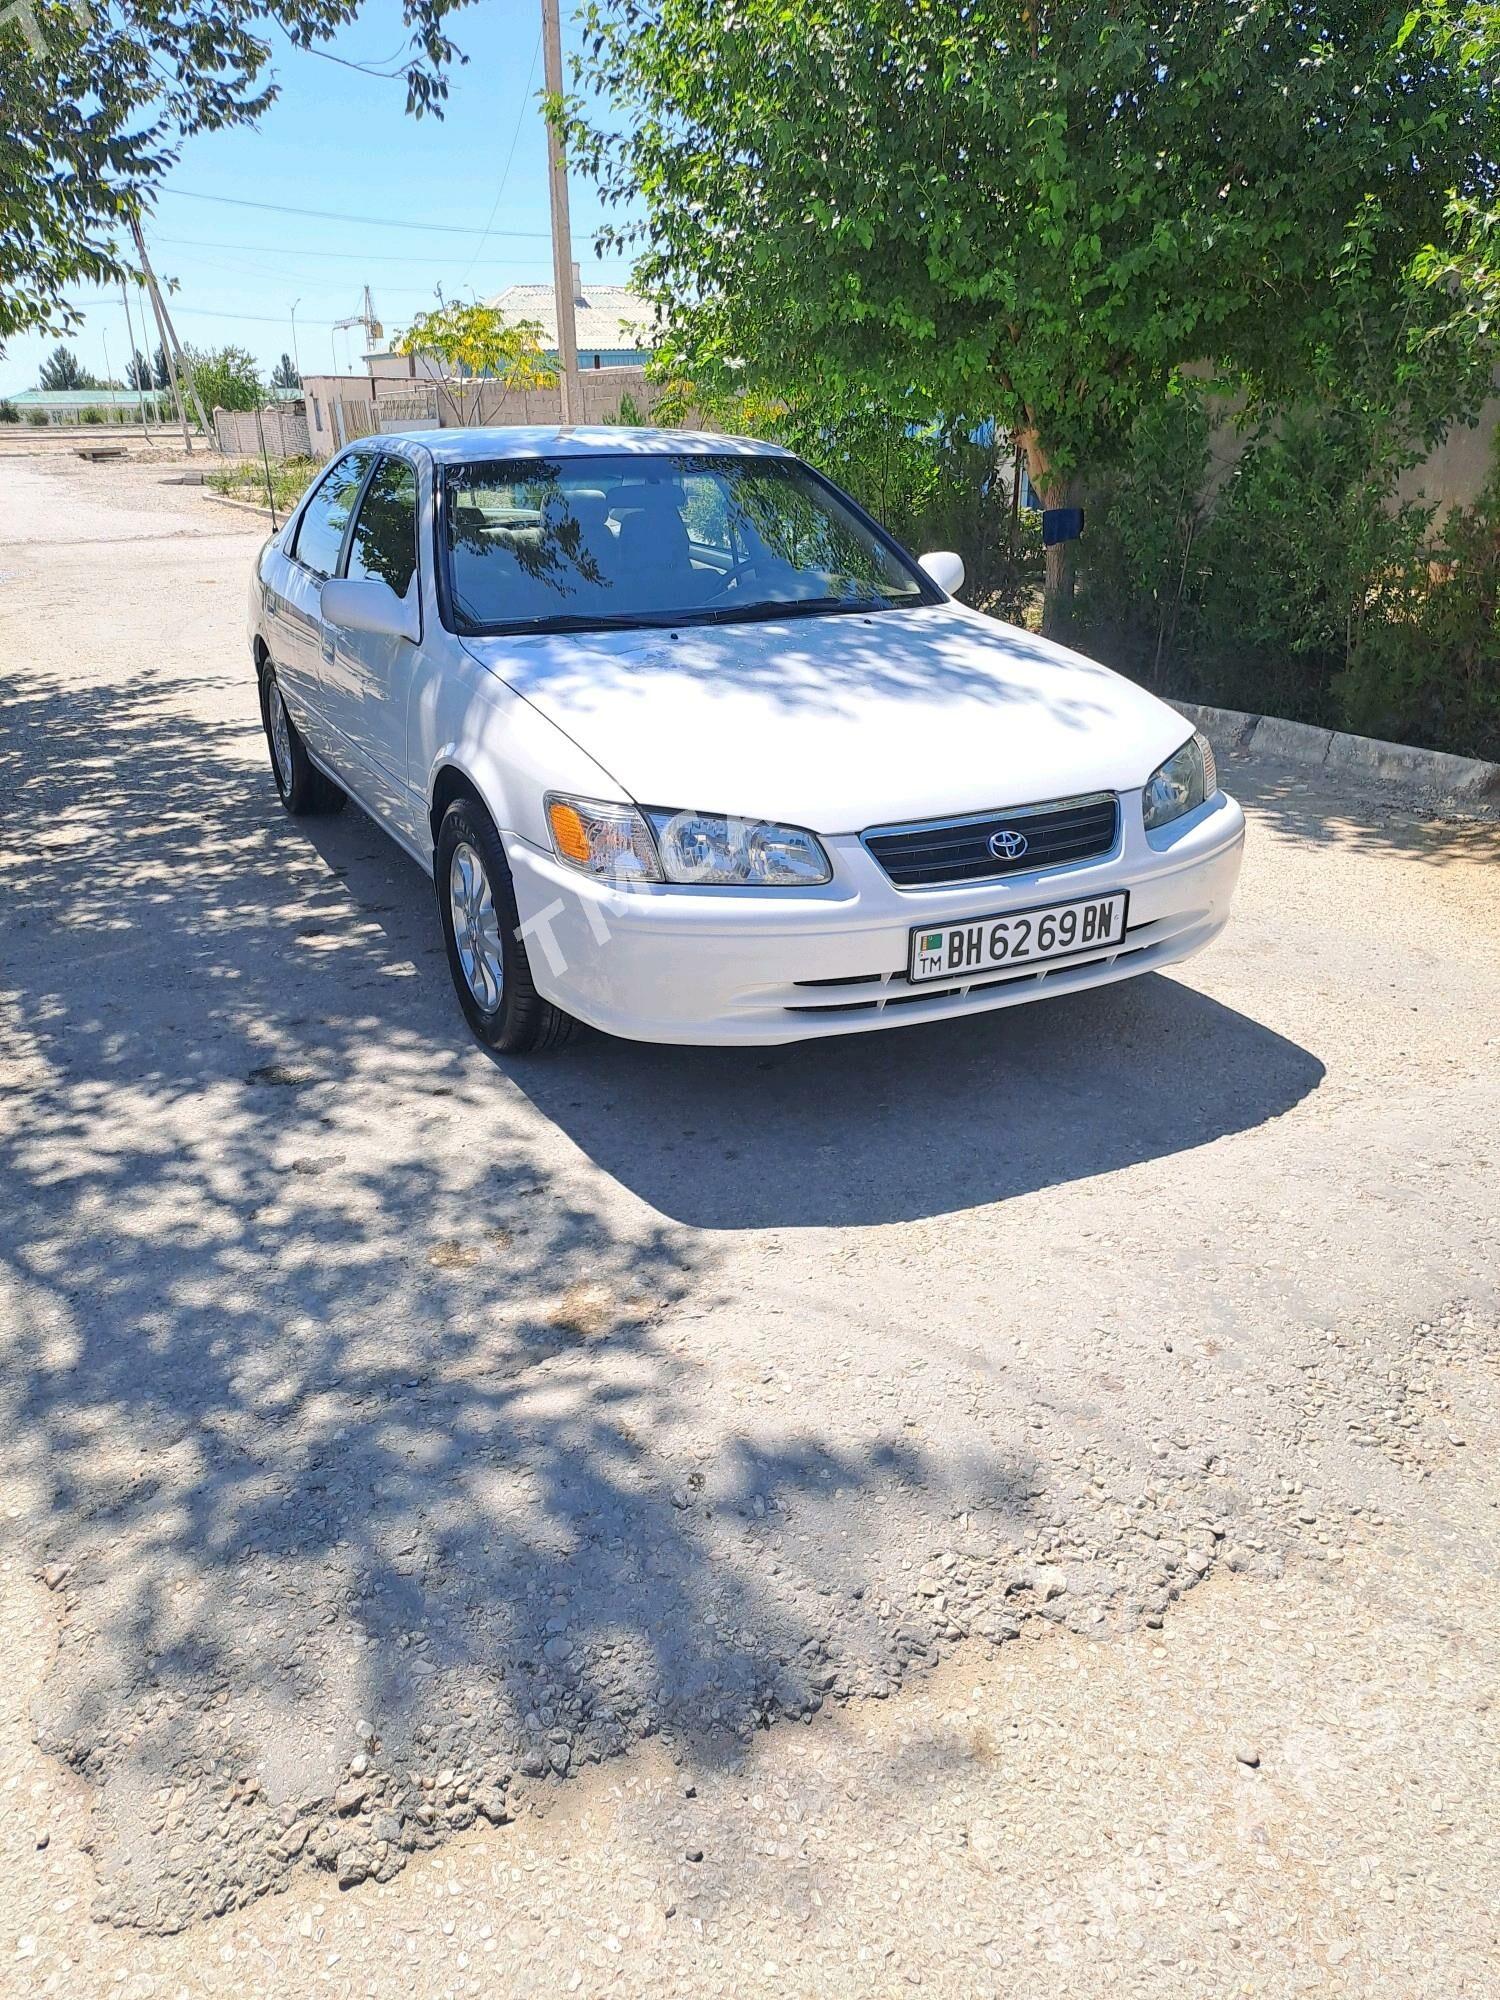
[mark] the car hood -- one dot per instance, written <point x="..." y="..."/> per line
<point x="842" y="722"/>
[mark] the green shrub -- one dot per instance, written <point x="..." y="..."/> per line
<point x="36" y="418"/>
<point x="1139" y="559"/>
<point x="8" y="412"/>
<point x="1425" y="666"/>
<point x="629" y="412"/>
<point x="1294" y="583"/>
<point x="934" y="486"/>
<point x="92" y="415"/>
<point x="289" y="479"/>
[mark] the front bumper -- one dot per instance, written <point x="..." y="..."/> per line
<point x="759" y="967"/>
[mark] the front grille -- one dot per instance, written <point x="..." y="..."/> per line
<point x="958" y="850"/>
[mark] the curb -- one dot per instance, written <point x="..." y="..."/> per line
<point x="1469" y="780"/>
<point x="228" y="500"/>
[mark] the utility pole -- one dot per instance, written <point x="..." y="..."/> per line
<point x="140" y="401"/>
<point x="562" y="237"/>
<point x="296" y="357"/>
<point x="171" y="346"/>
<point x="161" y="329"/>
<point x="108" y="373"/>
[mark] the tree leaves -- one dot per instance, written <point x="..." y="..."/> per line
<point x="1040" y="213"/>
<point x="475" y="343"/>
<point x="98" y="103"/>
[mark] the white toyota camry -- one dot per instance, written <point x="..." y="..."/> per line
<point x="696" y="753"/>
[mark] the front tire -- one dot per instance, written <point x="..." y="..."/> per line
<point x="488" y="962"/>
<point x="301" y="785"/>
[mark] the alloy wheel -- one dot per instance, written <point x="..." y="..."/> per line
<point x="476" y="927"/>
<point x="281" y="738"/>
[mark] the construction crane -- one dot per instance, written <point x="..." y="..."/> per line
<point x="374" y="331"/>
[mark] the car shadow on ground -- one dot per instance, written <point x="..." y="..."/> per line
<point x="921" y="1121"/>
<point x="878" y="1127"/>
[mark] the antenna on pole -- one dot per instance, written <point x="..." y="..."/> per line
<point x="562" y="237"/>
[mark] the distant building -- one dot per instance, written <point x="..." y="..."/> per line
<point x="613" y="323"/>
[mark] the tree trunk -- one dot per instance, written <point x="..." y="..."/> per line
<point x="1060" y="570"/>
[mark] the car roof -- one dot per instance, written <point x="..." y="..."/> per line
<point x="449" y="447"/>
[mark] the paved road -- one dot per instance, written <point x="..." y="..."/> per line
<point x="401" y="1432"/>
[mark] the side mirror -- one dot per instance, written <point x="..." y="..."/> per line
<point x="945" y="568"/>
<point x="365" y="604"/>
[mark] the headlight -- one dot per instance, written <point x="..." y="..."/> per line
<point x="606" y="840"/>
<point x="1186" y="779"/>
<point x="718" y="851"/>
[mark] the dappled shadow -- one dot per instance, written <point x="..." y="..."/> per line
<point x="369" y="1449"/>
<point x="841" y="722"/>
<point x="1363" y="815"/>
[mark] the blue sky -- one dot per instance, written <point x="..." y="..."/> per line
<point x="338" y="139"/>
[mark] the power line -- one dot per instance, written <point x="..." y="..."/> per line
<point x="352" y="256"/>
<point x="369" y="221"/>
<point x="205" y="312"/>
<point x="510" y="156"/>
<point x="243" y="267"/>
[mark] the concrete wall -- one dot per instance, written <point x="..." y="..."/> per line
<point x="1457" y="471"/>
<point x="242" y="433"/>
<point x="321" y="395"/>
<point x="1452" y="476"/>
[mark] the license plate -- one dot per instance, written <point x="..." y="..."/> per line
<point x="1020" y="938"/>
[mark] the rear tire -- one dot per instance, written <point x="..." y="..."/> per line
<point x="301" y="785"/>
<point x="477" y="907"/>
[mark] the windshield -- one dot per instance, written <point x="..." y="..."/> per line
<point x="629" y="539"/>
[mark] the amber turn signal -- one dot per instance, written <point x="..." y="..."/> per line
<point x="568" y="834"/>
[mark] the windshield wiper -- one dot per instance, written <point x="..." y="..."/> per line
<point x="573" y="621"/>
<point x="771" y="613"/>
<point x="766" y="612"/>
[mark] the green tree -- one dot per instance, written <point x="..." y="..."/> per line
<point x="1035" y="212"/>
<point x="226" y="378"/>
<point x="98" y="102"/>
<point x="140" y="374"/>
<point x="475" y="343"/>
<point x="1463" y="267"/>
<point x="284" y="375"/>
<point x="63" y="370"/>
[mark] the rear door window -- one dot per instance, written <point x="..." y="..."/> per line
<point x="384" y="542"/>
<point x="320" y="534"/>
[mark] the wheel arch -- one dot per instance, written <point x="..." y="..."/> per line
<point x="451" y="781"/>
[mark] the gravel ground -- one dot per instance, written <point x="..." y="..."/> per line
<point x="397" y="1434"/>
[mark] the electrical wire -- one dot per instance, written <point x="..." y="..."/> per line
<point x="510" y="156"/>
<point x="369" y="221"/>
<point x="531" y="263"/>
